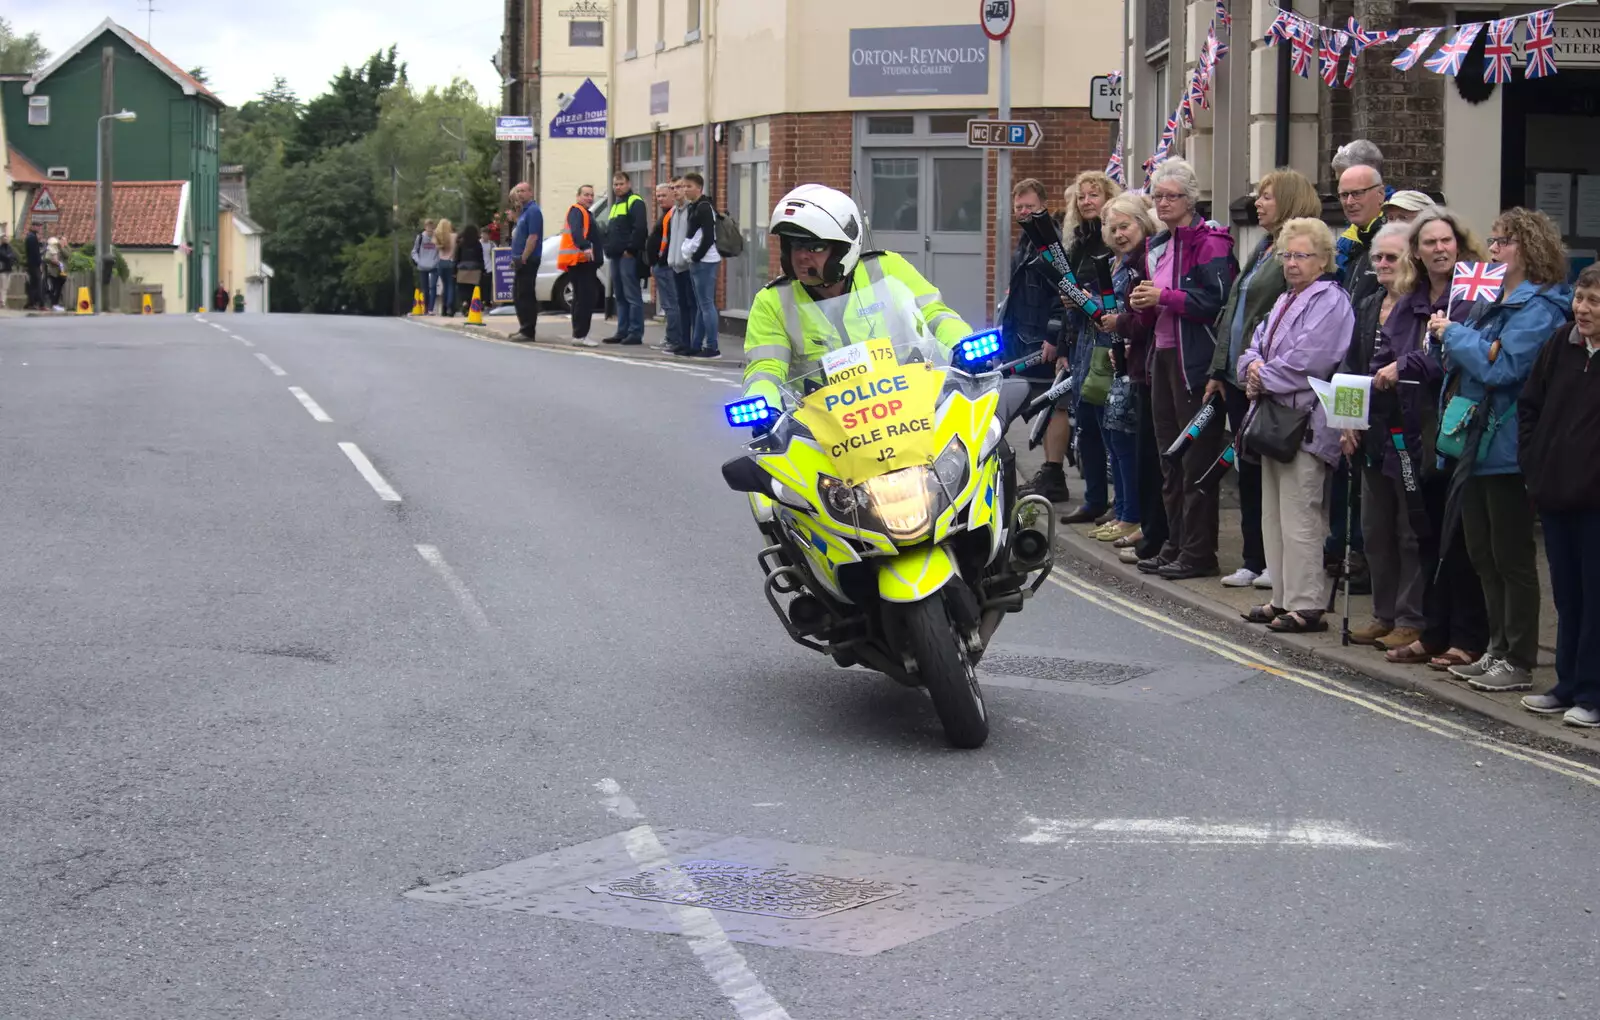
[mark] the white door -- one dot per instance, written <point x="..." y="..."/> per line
<point x="928" y="205"/>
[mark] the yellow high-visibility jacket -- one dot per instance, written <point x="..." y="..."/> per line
<point x="780" y="343"/>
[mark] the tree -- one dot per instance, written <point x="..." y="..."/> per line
<point x="199" y="75"/>
<point x="348" y="111"/>
<point x="20" y="54"/>
<point x="320" y="208"/>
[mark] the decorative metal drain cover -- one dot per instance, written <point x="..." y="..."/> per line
<point x="771" y="892"/>
<point x="1072" y="671"/>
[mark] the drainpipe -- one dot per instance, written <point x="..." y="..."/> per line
<point x="707" y="12"/>
<point x="1281" y="126"/>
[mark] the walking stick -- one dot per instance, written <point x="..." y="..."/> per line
<point x="1349" y="499"/>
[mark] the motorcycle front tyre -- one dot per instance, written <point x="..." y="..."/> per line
<point x="946" y="671"/>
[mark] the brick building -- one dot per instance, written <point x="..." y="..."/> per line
<point x="872" y="99"/>
<point x="1483" y="147"/>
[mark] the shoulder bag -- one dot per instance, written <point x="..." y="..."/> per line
<point x="1276" y="430"/>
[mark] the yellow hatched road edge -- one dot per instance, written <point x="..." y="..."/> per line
<point x="1252" y="659"/>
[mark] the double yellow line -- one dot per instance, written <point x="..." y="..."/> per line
<point x="1250" y="659"/>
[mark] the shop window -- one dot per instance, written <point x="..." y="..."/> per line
<point x="39" y="111"/>
<point x="763" y="135"/>
<point x="688" y="146"/>
<point x="895" y="125"/>
<point x="635" y="150"/>
<point x="958" y="195"/>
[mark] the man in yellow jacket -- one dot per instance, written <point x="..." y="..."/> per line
<point x="820" y="232"/>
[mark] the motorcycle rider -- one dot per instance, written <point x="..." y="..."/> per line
<point x="820" y="233"/>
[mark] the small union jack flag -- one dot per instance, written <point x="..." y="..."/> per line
<point x="1278" y="31"/>
<point x="1328" y="55"/>
<point x="1408" y="59"/>
<point x="1451" y="54"/>
<point x="1474" y="280"/>
<point x="1497" y="51"/>
<point x="1303" y="48"/>
<point x="1541" y="44"/>
<point x="1114" y="164"/>
<point x="1223" y="17"/>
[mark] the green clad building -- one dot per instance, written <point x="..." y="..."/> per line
<point x="50" y="118"/>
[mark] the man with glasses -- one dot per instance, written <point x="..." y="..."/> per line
<point x="1362" y="195"/>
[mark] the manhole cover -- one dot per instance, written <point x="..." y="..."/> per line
<point x="727" y="885"/>
<point x="1072" y="671"/>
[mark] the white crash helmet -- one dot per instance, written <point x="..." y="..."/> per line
<point x="818" y="212"/>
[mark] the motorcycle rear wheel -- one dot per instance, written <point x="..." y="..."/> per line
<point x="947" y="672"/>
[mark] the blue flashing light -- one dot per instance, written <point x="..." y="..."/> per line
<point x="747" y="412"/>
<point x="979" y="347"/>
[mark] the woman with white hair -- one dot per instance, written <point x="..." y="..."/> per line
<point x="1305" y="337"/>
<point x="1189" y="268"/>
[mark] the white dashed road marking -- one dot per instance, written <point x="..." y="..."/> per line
<point x="469" y="605"/>
<point x="310" y="405"/>
<point x="723" y="963"/>
<point x="271" y="365"/>
<point x="370" y="473"/>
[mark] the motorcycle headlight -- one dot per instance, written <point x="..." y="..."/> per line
<point x="841" y="500"/>
<point x="953" y="467"/>
<point x="903" y="501"/>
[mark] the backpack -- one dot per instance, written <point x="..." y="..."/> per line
<point x="730" y="239"/>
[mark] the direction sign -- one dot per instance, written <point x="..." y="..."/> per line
<point x="1105" y="97"/>
<point x="997" y="17"/>
<point x="1003" y="134"/>
<point x="44" y="208"/>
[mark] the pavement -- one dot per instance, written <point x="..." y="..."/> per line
<point x="361" y="668"/>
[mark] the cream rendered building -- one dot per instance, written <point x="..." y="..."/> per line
<point x="573" y="45"/>
<point x="869" y="97"/>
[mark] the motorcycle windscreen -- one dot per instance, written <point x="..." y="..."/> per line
<point x="879" y="382"/>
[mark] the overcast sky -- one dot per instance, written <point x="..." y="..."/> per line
<point x="242" y="46"/>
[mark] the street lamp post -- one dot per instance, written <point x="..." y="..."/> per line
<point x="102" y="226"/>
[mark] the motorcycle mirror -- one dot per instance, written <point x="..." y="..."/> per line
<point x="744" y="474"/>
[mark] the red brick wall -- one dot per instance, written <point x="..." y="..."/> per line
<point x="1072" y="143"/>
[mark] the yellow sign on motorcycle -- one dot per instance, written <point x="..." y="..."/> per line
<point x="870" y="423"/>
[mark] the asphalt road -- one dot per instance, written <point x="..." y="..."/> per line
<point x="247" y="704"/>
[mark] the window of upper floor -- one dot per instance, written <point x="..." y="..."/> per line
<point x="692" y="32"/>
<point x="39" y="111"/>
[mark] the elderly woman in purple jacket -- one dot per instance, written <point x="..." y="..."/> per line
<point x="1306" y="336"/>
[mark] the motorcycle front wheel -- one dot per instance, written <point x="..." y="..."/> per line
<point x="947" y="672"/>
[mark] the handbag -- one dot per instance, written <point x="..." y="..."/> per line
<point x="1276" y="430"/>
<point x="1455" y="426"/>
<point x="1096" y="386"/>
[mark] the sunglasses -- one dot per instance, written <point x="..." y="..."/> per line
<point x="1383" y="256"/>
<point x="814" y="247"/>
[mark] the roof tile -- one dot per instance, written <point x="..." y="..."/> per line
<point x="144" y="214"/>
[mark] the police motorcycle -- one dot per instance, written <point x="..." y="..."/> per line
<point x="886" y="493"/>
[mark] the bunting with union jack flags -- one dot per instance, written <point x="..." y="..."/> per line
<point x="1498" y="50"/>
<point x="1408" y="59"/>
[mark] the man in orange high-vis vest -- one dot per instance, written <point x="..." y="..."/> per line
<point x="579" y="261"/>
<point x="661" y="271"/>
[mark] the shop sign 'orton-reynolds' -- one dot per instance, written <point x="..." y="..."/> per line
<point x="929" y="60"/>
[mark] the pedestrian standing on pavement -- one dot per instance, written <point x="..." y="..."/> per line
<point x="1362" y="194"/>
<point x="580" y="259"/>
<point x="1189" y="267"/>
<point x="1281" y="196"/>
<point x="527" y="250"/>
<point x="33" y="263"/>
<point x="625" y="239"/>
<point x="444" y="237"/>
<point x="655" y="248"/>
<point x="468" y="259"/>
<point x="1390" y="327"/>
<point x="1558" y="418"/>
<point x="1128" y="222"/>
<point x="1304" y="337"/>
<point x="1026" y="327"/>
<point x="425" y="257"/>
<point x="1489" y="357"/>
<point x="680" y="263"/>
<point x="1090" y="350"/>
<point x="701" y="248"/>
<point x="1456" y="629"/>
<point x="55" y="273"/>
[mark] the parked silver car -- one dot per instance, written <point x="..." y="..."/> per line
<point x="552" y="286"/>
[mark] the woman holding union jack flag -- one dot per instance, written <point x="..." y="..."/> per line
<point x="1488" y="357"/>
